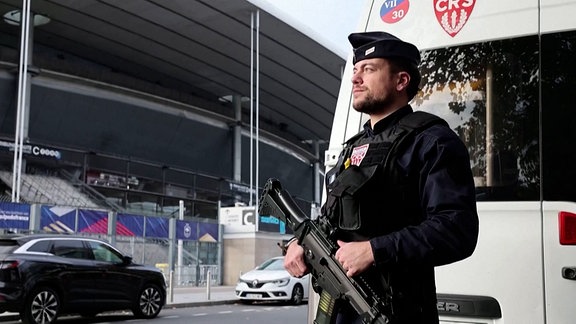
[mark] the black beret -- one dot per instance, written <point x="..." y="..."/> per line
<point x="380" y="44"/>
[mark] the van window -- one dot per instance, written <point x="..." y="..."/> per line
<point x="559" y="116"/>
<point x="489" y="94"/>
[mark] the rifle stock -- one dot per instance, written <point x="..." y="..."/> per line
<point x="319" y="253"/>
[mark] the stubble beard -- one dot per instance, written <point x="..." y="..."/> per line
<point x="371" y="105"/>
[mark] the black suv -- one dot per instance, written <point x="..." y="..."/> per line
<point x="43" y="276"/>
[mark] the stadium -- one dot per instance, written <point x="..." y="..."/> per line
<point x="140" y="121"/>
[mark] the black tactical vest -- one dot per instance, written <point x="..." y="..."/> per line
<point x="367" y="193"/>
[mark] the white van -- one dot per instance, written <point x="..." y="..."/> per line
<point x="503" y="74"/>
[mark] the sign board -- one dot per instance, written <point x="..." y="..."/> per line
<point x="238" y="219"/>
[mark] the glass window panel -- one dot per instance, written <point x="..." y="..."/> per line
<point x="73" y="249"/>
<point x="558" y="116"/>
<point x="103" y="253"/>
<point x="488" y="93"/>
<point x="40" y="246"/>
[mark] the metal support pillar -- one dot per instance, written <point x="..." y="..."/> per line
<point x="236" y="102"/>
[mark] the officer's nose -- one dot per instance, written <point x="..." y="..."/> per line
<point x="356" y="79"/>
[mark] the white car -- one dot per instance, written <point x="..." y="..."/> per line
<point x="271" y="282"/>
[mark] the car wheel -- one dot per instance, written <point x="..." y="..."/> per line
<point x="297" y="295"/>
<point x="149" y="302"/>
<point x="41" y="306"/>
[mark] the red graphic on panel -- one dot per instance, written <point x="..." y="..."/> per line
<point x="453" y="14"/>
<point x="101" y="227"/>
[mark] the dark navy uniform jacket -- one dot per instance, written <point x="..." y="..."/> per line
<point x="437" y="224"/>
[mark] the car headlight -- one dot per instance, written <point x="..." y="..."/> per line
<point x="281" y="282"/>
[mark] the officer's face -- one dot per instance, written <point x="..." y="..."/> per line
<point x="375" y="88"/>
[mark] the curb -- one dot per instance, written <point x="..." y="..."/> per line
<point x="16" y="317"/>
<point x="203" y="303"/>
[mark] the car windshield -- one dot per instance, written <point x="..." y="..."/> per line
<point x="272" y="264"/>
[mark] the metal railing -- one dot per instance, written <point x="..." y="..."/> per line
<point x="191" y="275"/>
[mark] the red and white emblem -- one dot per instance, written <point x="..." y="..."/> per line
<point x="453" y="14"/>
<point x="358" y="154"/>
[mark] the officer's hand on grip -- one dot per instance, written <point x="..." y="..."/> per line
<point x="355" y="257"/>
<point x="294" y="260"/>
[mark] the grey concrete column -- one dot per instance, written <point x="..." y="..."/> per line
<point x="172" y="243"/>
<point x="317" y="179"/>
<point x="237" y="162"/>
<point x="112" y="219"/>
<point x="35" y="213"/>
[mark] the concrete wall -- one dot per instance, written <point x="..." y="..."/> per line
<point x="243" y="253"/>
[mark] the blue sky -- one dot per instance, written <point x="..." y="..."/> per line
<point x="327" y="21"/>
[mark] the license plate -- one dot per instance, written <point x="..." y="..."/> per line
<point x="255" y="296"/>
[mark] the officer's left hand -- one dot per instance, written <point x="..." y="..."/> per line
<point x="355" y="257"/>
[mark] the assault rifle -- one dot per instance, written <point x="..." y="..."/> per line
<point x="328" y="277"/>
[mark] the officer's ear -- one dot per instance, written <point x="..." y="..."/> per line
<point x="402" y="80"/>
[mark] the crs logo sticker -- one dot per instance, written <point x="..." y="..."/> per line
<point x="393" y="11"/>
<point x="358" y="154"/>
<point x="453" y="14"/>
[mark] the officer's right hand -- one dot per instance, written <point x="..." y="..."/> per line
<point x="294" y="260"/>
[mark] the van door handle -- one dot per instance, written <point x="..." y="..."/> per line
<point x="569" y="273"/>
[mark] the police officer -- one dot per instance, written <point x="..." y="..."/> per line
<point x="401" y="207"/>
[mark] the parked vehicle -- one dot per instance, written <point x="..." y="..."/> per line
<point x="271" y="282"/>
<point x="44" y="276"/>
